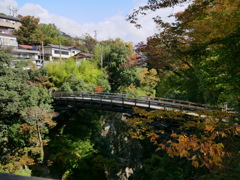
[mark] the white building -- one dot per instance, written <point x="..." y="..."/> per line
<point x="56" y="52"/>
<point x="27" y="53"/>
<point x="8" y="41"/>
<point x="8" y="24"/>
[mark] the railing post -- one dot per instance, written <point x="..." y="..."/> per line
<point x="225" y="107"/>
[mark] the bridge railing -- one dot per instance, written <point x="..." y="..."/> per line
<point x="146" y="101"/>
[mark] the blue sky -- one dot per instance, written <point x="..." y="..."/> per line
<point x="78" y="17"/>
<point x="84" y="11"/>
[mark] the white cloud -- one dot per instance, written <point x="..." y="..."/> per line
<point x="112" y="27"/>
<point x="4" y="5"/>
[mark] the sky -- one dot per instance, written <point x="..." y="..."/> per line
<point x="105" y="18"/>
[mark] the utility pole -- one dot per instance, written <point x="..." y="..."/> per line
<point x="14" y="11"/>
<point x="10" y="10"/>
<point x="95" y="35"/>
<point x="60" y="50"/>
<point x="101" y="56"/>
<point x="42" y="53"/>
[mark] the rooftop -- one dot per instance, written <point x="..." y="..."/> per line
<point x="62" y="47"/>
<point x="9" y="17"/>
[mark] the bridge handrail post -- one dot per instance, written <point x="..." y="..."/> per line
<point x="225" y="107"/>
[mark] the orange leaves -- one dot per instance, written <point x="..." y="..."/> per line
<point x="238" y="129"/>
<point x="99" y="88"/>
<point x="206" y="152"/>
<point x="25" y="128"/>
<point x="195" y="164"/>
<point x="26" y="160"/>
<point x="209" y="128"/>
<point x="184" y="153"/>
<point x="204" y="144"/>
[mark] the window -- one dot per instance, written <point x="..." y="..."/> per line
<point x="62" y="52"/>
<point x="56" y="52"/>
<point x="24" y="56"/>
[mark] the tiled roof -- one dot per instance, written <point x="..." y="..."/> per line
<point x="26" y="46"/>
<point x="5" y="34"/>
<point x="83" y="55"/>
<point x="62" y="47"/>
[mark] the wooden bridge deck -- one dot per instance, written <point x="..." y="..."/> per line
<point x="6" y="176"/>
<point x="125" y="102"/>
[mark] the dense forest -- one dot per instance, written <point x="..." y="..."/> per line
<point x="196" y="59"/>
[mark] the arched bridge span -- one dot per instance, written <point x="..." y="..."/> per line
<point x="124" y="102"/>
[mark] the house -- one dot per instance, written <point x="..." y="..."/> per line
<point x="83" y="55"/>
<point x="80" y="56"/>
<point x="28" y="53"/>
<point x="8" y="41"/>
<point x="142" y="60"/>
<point x="51" y="52"/>
<point x="8" y="24"/>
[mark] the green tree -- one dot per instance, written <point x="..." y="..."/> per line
<point x="28" y="31"/>
<point x="49" y="33"/>
<point x="200" y="48"/>
<point x="69" y="76"/>
<point x="89" y="43"/>
<point x="122" y="73"/>
<point x="17" y="149"/>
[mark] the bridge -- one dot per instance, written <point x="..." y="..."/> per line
<point x="125" y="102"/>
<point x="6" y="176"/>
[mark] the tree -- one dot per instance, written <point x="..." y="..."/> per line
<point x="202" y="140"/>
<point x="49" y="33"/>
<point x="69" y="76"/>
<point x="17" y="149"/>
<point x="89" y="42"/>
<point x="28" y="31"/>
<point x="200" y="48"/>
<point x="120" y="71"/>
<point x="38" y="121"/>
<point x="5" y="60"/>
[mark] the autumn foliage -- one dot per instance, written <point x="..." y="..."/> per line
<point x="202" y="139"/>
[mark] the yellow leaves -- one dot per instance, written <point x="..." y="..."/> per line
<point x="149" y="77"/>
<point x="220" y="145"/>
<point x="204" y="146"/>
<point x="195" y="164"/>
<point x="184" y="153"/>
<point x="238" y="129"/>
<point x="209" y="128"/>
<point x="223" y="135"/>
<point x="26" y="160"/>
